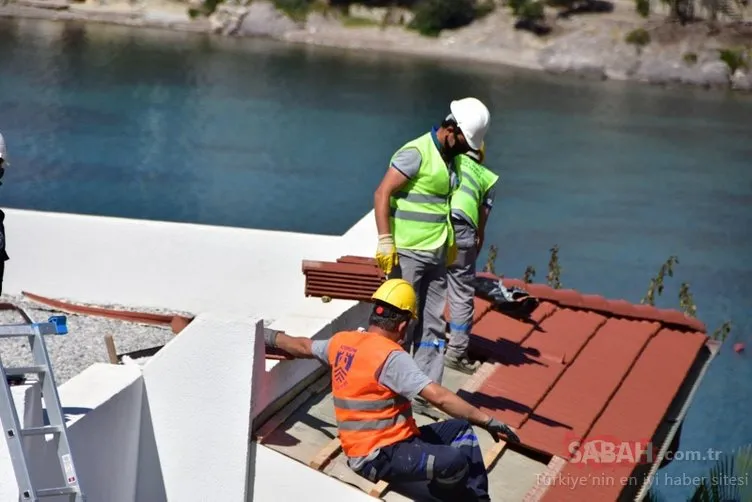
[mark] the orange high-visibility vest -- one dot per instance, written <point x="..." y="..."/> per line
<point x="369" y="415"/>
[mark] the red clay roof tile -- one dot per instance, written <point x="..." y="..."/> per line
<point x="578" y="398"/>
<point x="633" y="414"/>
<point x="518" y="384"/>
<point x="494" y="325"/>
<point x="563" y="334"/>
<point x="581" y="483"/>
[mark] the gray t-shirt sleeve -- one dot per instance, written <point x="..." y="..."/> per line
<point x="488" y="200"/>
<point x="320" y="349"/>
<point x="407" y="161"/>
<point x="402" y="375"/>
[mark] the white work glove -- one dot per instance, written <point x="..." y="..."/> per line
<point x="386" y="253"/>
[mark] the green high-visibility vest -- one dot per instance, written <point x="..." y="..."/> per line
<point x="475" y="181"/>
<point x="420" y="210"/>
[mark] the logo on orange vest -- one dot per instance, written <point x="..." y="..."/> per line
<point x="342" y="363"/>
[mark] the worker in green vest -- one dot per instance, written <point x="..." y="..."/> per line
<point x="471" y="204"/>
<point x="416" y="238"/>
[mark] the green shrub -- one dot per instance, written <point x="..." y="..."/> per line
<point x="690" y="58"/>
<point x="528" y="10"/>
<point x="357" y="22"/>
<point x="296" y="9"/>
<point x="532" y="10"/>
<point x="734" y="58"/>
<point x="638" y="37"/>
<point x="432" y="16"/>
<point x="643" y="7"/>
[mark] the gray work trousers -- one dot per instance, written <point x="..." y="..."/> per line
<point x="460" y="292"/>
<point x="427" y="272"/>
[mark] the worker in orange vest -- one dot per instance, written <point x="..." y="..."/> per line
<point x="373" y="383"/>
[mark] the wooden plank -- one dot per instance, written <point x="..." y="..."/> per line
<point x="109" y="342"/>
<point x="492" y="455"/>
<point x="276" y="420"/>
<point x="379" y="489"/>
<point x="326" y="454"/>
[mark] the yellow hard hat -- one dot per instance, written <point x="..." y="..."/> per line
<point x="399" y="294"/>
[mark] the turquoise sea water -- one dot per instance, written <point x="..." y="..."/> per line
<point x="253" y="133"/>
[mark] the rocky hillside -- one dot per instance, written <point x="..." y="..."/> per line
<point x="593" y="38"/>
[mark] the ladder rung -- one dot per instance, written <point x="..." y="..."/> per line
<point x="19" y="330"/>
<point x="24" y="370"/>
<point x="40" y="431"/>
<point x="64" y="490"/>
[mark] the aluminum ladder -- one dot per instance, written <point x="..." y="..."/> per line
<point x="12" y="429"/>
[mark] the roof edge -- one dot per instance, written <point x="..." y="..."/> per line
<point x="713" y="347"/>
<point x="621" y="308"/>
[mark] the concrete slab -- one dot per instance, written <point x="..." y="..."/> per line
<point x="306" y="432"/>
<point x="453" y="379"/>
<point x="513" y="476"/>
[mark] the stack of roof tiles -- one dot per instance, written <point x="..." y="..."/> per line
<point x="581" y="368"/>
<point x="350" y="278"/>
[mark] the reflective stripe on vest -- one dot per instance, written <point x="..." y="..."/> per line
<point x="419" y="212"/>
<point x="475" y="181"/>
<point x="369" y="415"/>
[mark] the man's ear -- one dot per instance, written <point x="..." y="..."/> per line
<point x="403" y="325"/>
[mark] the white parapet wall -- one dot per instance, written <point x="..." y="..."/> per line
<point x="201" y="393"/>
<point x="191" y="267"/>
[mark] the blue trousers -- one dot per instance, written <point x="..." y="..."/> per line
<point x="446" y="455"/>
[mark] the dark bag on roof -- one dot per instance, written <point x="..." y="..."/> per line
<point x="512" y="301"/>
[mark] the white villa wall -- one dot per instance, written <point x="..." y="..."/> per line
<point x="183" y="266"/>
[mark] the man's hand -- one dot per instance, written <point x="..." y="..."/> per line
<point x="497" y="429"/>
<point x="386" y="253"/>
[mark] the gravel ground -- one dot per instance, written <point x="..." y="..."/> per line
<point x="84" y="344"/>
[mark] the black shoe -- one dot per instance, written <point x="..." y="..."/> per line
<point x="462" y="364"/>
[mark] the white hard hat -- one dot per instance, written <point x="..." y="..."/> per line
<point x="473" y="119"/>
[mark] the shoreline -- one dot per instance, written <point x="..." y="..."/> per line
<point x="587" y="50"/>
